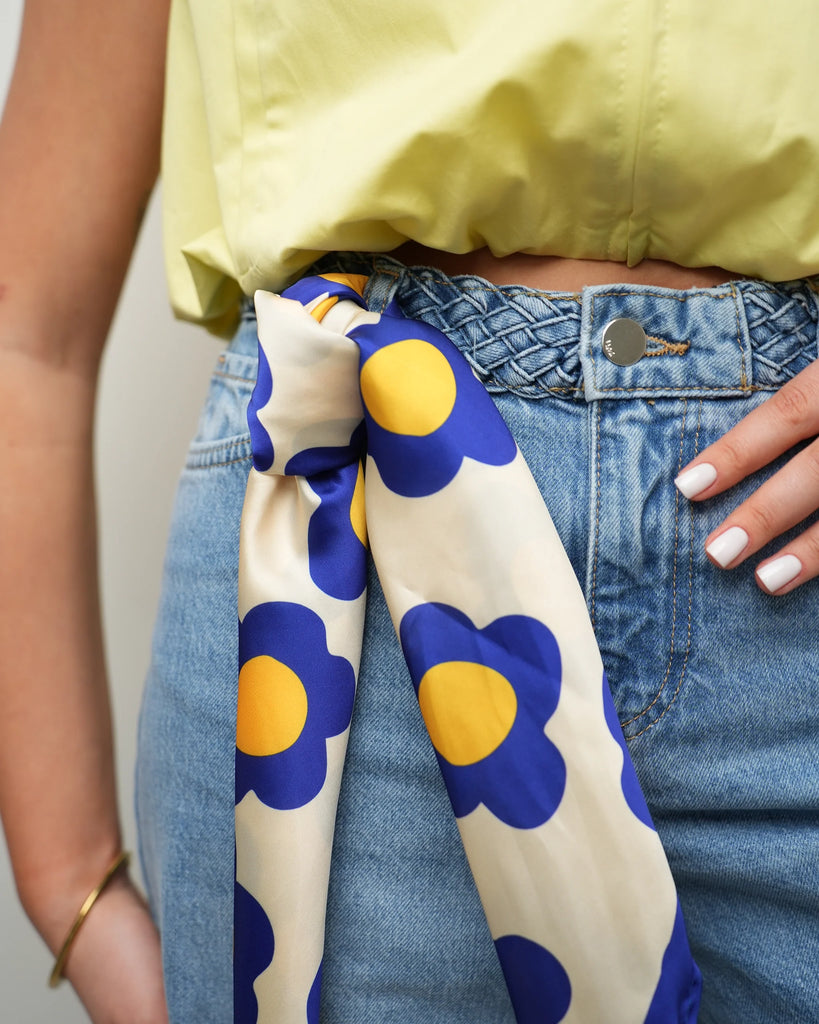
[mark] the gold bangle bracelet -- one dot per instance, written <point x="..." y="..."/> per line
<point x="56" y="975"/>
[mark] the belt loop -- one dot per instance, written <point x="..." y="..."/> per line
<point x="382" y="285"/>
<point x="743" y="336"/>
<point x="588" y="325"/>
<point x="813" y="291"/>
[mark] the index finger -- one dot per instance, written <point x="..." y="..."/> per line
<point x="789" y="416"/>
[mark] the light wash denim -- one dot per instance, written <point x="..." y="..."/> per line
<point x="716" y="684"/>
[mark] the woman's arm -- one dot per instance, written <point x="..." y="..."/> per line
<point x="79" y="152"/>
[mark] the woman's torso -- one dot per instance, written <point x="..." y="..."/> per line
<point x="559" y="273"/>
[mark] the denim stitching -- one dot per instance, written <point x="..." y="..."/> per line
<point x="231" y="442"/>
<point x="593" y="611"/>
<point x="200" y="452"/>
<point x="690" y="595"/>
<point x="743" y="378"/>
<point x="234" y="376"/>
<point x="669" y="348"/>
<point x="671" y="652"/>
<point x="195" y="466"/>
<point x="747" y="389"/>
<point x="395" y="277"/>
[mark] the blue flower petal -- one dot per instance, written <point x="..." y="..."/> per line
<point x="522" y="780"/>
<point x="260" y="443"/>
<point x="312" y="461"/>
<point x="538" y="984"/>
<point x="415" y="466"/>
<point x="296" y="636"/>
<point x="252" y="953"/>
<point x="314" y="999"/>
<point x="338" y="559"/>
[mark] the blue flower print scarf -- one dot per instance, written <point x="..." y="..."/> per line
<point x="574" y="882"/>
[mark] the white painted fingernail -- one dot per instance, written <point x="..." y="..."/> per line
<point x="725" y="548"/>
<point x="693" y="481"/>
<point x="780" y="571"/>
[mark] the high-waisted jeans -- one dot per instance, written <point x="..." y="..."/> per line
<point x="717" y="684"/>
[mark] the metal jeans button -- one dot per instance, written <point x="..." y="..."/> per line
<point x="624" y="341"/>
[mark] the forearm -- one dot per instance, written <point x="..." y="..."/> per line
<point x="79" y="147"/>
<point x="56" y="777"/>
<point x="79" y="154"/>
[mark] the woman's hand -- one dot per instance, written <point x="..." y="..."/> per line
<point x="115" y="964"/>
<point x="783" y="501"/>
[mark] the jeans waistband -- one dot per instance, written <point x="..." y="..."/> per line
<point x="731" y="340"/>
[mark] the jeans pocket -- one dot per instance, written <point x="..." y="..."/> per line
<point x="222" y="435"/>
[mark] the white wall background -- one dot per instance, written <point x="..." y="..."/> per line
<point x="154" y="376"/>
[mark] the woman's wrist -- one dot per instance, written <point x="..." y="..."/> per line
<point x="118" y="863"/>
<point x="53" y="893"/>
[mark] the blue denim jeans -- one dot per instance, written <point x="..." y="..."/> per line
<point x="716" y="684"/>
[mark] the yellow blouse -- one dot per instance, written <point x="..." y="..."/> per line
<point x="683" y="130"/>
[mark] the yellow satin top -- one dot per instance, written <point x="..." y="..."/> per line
<point x="683" y="130"/>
